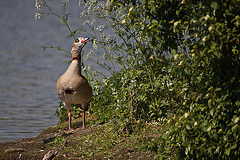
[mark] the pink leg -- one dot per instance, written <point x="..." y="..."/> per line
<point x="69" y="118"/>
<point x="83" y="116"/>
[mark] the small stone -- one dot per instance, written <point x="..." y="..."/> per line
<point x="50" y="155"/>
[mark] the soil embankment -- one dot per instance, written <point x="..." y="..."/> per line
<point x="104" y="141"/>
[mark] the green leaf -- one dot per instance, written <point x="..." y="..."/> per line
<point x="228" y="12"/>
<point x="214" y="5"/>
<point x="227" y="151"/>
<point x="211" y="112"/>
<point x="218" y="89"/>
<point x="173" y="51"/>
<point x="188" y="127"/>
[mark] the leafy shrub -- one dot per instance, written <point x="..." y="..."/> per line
<point x="174" y="60"/>
<point x="206" y="70"/>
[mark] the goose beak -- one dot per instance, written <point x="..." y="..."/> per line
<point x="86" y="40"/>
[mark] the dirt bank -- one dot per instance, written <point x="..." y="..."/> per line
<point x="102" y="141"/>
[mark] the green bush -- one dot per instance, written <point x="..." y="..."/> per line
<point x="174" y="60"/>
<point x="205" y="70"/>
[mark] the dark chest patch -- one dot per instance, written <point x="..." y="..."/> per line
<point x="68" y="91"/>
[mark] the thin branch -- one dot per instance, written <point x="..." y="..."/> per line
<point x="61" y="18"/>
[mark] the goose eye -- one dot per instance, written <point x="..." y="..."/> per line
<point x="76" y="40"/>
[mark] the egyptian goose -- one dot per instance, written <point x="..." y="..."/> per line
<point x="72" y="86"/>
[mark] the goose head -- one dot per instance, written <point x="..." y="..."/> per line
<point x="77" y="46"/>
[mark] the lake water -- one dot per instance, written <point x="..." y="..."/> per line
<point x="28" y="74"/>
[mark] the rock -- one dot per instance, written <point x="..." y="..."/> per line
<point x="11" y="150"/>
<point x="50" y="155"/>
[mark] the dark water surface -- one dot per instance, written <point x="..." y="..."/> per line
<point x="28" y="75"/>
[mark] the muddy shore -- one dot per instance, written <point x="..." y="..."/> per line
<point x="101" y="141"/>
